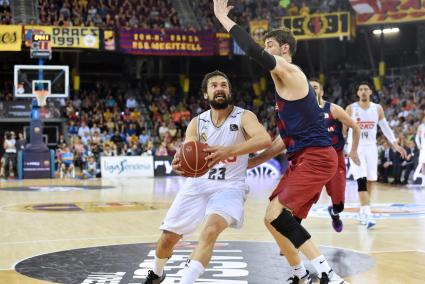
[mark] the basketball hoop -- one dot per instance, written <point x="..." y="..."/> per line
<point x="41" y="96"/>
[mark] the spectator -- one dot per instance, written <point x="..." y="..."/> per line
<point x="135" y="150"/>
<point x="9" y="157"/>
<point x="20" y="143"/>
<point x="91" y="169"/>
<point x="304" y="10"/>
<point x="67" y="163"/>
<point x="72" y="128"/>
<point x="109" y="150"/>
<point x="385" y="162"/>
<point x="163" y="129"/>
<point x="411" y="161"/>
<point x="83" y="129"/>
<point x="94" y="129"/>
<point x="131" y="103"/>
<point x="143" y="137"/>
<point x="162" y="150"/>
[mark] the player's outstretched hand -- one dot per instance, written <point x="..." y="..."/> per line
<point x="354" y="157"/>
<point x="221" y="9"/>
<point x="401" y="150"/>
<point x="176" y="165"/>
<point x="216" y="154"/>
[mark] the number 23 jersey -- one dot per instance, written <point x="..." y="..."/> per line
<point x="229" y="133"/>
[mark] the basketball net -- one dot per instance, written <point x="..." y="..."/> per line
<point x="41" y="96"/>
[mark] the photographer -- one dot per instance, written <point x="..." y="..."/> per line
<point x="91" y="169"/>
<point x="9" y="157"/>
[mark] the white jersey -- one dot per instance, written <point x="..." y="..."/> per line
<point x="420" y="137"/>
<point x="367" y="120"/>
<point x="10" y="146"/>
<point x="229" y="133"/>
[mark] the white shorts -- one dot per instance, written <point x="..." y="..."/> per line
<point x="422" y="157"/>
<point x="368" y="155"/>
<point x="201" y="197"/>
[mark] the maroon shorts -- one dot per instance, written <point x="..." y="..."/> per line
<point x="309" y="170"/>
<point x="336" y="186"/>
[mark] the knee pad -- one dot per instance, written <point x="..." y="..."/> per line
<point x="362" y="184"/>
<point x="338" y="208"/>
<point x="287" y="225"/>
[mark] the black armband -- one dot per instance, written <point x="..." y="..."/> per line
<point x="252" y="49"/>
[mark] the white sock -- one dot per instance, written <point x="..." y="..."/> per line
<point x="191" y="272"/>
<point x="321" y="265"/>
<point x="367" y="210"/>
<point x="423" y="179"/>
<point x="158" y="267"/>
<point x="299" y="270"/>
<point x="362" y="211"/>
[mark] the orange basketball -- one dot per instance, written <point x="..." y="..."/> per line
<point x="192" y="158"/>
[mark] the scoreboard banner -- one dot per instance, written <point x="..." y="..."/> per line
<point x="10" y="38"/>
<point x="318" y="26"/>
<point x="370" y="12"/>
<point x="66" y="37"/>
<point x="167" y="42"/>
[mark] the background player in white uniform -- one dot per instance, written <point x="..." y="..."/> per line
<point x="368" y="116"/>
<point x="420" y="143"/>
<point x="217" y="198"/>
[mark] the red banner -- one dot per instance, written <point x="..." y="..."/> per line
<point x="385" y="11"/>
<point x="167" y="42"/>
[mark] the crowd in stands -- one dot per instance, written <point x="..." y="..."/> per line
<point x="107" y="120"/>
<point x="272" y="10"/>
<point x="161" y="13"/>
<point x="5" y="12"/>
<point x="104" y="121"/>
<point x="155" y="14"/>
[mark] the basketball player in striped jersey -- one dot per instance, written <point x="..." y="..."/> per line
<point x="368" y="116"/>
<point x="420" y="143"/>
<point x="313" y="160"/>
<point x="215" y="199"/>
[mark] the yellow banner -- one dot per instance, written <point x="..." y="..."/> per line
<point x="396" y="11"/>
<point x="317" y="26"/>
<point x="258" y="29"/>
<point x="10" y="38"/>
<point x="66" y="37"/>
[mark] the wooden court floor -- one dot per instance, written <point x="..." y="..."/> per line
<point x="396" y="244"/>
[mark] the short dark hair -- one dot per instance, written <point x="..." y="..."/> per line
<point x="283" y="36"/>
<point x="315" y="79"/>
<point x="213" y="74"/>
<point x="364" y="82"/>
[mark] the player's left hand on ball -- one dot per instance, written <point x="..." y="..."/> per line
<point x="216" y="154"/>
<point x="354" y="157"/>
<point x="176" y="165"/>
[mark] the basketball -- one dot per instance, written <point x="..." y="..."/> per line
<point x="192" y="158"/>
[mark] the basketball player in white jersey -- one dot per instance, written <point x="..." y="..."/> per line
<point x="215" y="199"/>
<point x="420" y="143"/>
<point x="368" y="116"/>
